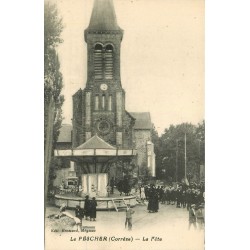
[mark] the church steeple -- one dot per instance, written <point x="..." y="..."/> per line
<point x="103" y="16"/>
<point x="103" y="98"/>
<point x="103" y="37"/>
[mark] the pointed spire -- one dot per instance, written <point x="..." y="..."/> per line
<point x="103" y="16"/>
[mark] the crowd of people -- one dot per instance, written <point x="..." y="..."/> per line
<point x="182" y="196"/>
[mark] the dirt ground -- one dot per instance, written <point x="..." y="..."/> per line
<point x="165" y="230"/>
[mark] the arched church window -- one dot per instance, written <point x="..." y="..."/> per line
<point x="110" y="103"/>
<point x="96" y="102"/>
<point x="98" y="67"/>
<point x="103" y="101"/>
<point x="109" y="62"/>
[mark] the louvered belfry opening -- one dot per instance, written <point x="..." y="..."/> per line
<point x="103" y="62"/>
<point x="109" y="62"/>
<point x="98" y="64"/>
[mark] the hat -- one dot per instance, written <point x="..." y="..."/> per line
<point x="193" y="205"/>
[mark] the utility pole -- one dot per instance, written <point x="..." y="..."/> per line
<point x="176" y="162"/>
<point x="199" y="160"/>
<point x="185" y="156"/>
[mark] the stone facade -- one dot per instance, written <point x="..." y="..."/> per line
<point x="100" y="107"/>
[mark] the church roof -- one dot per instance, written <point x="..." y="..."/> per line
<point x="143" y="120"/>
<point x="65" y="133"/>
<point x="103" y="16"/>
<point x="95" y="142"/>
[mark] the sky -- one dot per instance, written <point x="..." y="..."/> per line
<point x="162" y="57"/>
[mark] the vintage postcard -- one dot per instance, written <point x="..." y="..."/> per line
<point x="124" y="124"/>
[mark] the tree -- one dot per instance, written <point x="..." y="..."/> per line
<point x="53" y="83"/>
<point x="171" y="158"/>
<point x="200" y="135"/>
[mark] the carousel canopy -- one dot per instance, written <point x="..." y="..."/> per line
<point x="94" y="143"/>
<point x="94" y="147"/>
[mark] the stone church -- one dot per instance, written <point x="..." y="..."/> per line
<point x="99" y="109"/>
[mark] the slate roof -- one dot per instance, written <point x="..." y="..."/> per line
<point x="143" y="120"/>
<point x="95" y="142"/>
<point x="65" y="133"/>
<point x="103" y="16"/>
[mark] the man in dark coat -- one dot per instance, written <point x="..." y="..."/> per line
<point x="183" y="198"/>
<point x="173" y="195"/>
<point x="156" y="201"/>
<point x="150" y="200"/>
<point x="87" y="207"/>
<point x="178" y="198"/>
<point x="146" y="190"/>
<point x="92" y="213"/>
<point x="168" y="195"/>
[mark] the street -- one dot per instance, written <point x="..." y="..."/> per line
<point x="167" y="229"/>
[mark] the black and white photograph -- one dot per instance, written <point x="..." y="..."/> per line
<point x="124" y="124"/>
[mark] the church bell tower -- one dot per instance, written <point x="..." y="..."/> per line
<point x="100" y="107"/>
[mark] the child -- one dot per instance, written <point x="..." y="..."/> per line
<point x="79" y="213"/>
<point x="129" y="213"/>
<point x="192" y="217"/>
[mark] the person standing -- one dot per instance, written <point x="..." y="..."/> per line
<point x="150" y="201"/>
<point x="93" y="205"/>
<point x="87" y="207"/>
<point x="183" y="198"/>
<point x="178" y="198"/>
<point x="161" y="195"/>
<point x="188" y="198"/>
<point x="129" y="213"/>
<point x="156" y="201"/>
<point x="200" y="217"/>
<point x="168" y="195"/>
<point x="79" y="214"/>
<point x="192" y="217"/>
